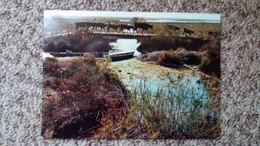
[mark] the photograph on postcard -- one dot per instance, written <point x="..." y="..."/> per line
<point x="138" y="75"/>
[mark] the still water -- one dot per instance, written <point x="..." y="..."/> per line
<point x="180" y="91"/>
<point x="125" y="45"/>
<point x="175" y="87"/>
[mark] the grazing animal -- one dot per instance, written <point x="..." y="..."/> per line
<point x="99" y="25"/>
<point x="80" y="24"/>
<point x="127" y="28"/>
<point x="175" y="28"/>
<point x="90" y="24"/>
<point x="84" y="25"/>
<point x="187" y="31"/>
<point x="114" y="26"/>
<point x="143" y="26"/>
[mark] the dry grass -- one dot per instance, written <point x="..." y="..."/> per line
<point x="83" y="96"/>
<point x="84" y="99"/>
<point x="192" y="58"/>
<point x="169" y="58"/>
<point x="210" y="63"/>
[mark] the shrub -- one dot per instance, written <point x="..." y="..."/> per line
<point x="75" y="39"/>
<point x="47" y="82"/>
<point x="87" y="93"/>
<point x="89" y="59"/>
<point x="50" y="47"/>
<point x="210" y="65"/>
<point x="192" y="58"/>
<point x="98" y="44"/>
<point x="157" y="44"/>
<point x="169" y="58"/>
<point x="213" y="53"/>
<point x="62" y="46"/>
<point x="50" y="67"/>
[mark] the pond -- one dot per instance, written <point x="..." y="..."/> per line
<point x="171" y="90"/>
<point x="177" y="89"/>
<point x="125" y="45"/>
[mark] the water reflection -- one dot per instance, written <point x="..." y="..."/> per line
<point x="185" y="90"/>
<point x="125" y="45"/>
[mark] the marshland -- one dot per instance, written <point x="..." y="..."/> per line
<point x="169" y="88"/>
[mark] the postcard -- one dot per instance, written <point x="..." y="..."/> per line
<point x="137" y="75"/>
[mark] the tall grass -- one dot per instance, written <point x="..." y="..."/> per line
<point x="165" y="113"/>
<point x="172" y="113"/>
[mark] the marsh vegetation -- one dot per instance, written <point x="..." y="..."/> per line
<point x="171" y="90"/>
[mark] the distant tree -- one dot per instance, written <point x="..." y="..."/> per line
<point x="98" y="44"/>
<point x="50" y="47"/>
<point x="62" y="46"/>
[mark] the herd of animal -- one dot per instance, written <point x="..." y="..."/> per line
<point x="144" y="27"/>
<point x="117" y="27"/>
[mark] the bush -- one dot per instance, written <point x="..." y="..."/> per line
<point x="75" y="39"/>
<point x="50" y="67"/>
<point x="89" y="59"/>
<point x="192" y="58"/>
<point x="210" y="64"/>
<point x="47" y="82"/>
<point x="157" y="44"/>
<point x="86" y="92"/>
<point x="50" y="47"/>
<point x="62" y="46"/>
<point x="169" y="58"/>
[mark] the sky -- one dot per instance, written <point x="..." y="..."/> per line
<point x="149" y="16"/>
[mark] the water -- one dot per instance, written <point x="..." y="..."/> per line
<point x="125" y="45"/>
<point x="155" y="77"/>
<point x="189" y="87"/>
<point x="175" y="87"/>
<point x="179" y="92"/>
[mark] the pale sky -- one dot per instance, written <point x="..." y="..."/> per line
<point x="149" y="16"/>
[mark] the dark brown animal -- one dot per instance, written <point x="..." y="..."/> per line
<point x="98" y="25"/>
<point x="80" y="24"/>
<point x="187" y="31"/>
<point x="143" y="26"/>
<point x="86" y="25"/>
<point x="175" y="28"/>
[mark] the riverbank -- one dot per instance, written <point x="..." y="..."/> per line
<point x="160" y="95"/>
